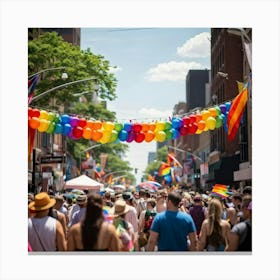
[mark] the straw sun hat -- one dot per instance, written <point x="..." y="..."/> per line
<point x="120" y="208"/>
<point x="41" y="202"/>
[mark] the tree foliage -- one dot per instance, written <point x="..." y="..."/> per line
<point x="51" y="51"/>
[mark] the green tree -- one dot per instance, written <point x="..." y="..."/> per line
<point x="51" y="51"/>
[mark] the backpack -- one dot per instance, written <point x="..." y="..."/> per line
<point x="246" y="245"/>
<point x="149" y="217"/>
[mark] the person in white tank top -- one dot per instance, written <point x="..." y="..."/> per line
<point x="44" y="233"/>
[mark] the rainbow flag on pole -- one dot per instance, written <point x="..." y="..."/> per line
<point x="236" y="111"/>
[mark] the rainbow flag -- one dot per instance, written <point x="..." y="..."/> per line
<point x="220" y="190"/>
<point x="31" y="87"/>
<point x="236" y="111"/>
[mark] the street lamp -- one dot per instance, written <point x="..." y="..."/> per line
<point x="64" y="75"/>
<point x="188" y="152"/>
<point x="90" y="148"/>
<point x="39" y="96"/>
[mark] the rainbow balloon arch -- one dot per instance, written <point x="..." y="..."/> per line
<point x="76" y="127"/>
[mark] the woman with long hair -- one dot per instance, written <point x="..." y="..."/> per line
<point x="214" y="234"/>
<point x="93" y="233"/>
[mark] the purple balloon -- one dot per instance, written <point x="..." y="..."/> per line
<point x="131" y="136"/>
<point x="74" y="121"/>
<point x="223" y="108"/>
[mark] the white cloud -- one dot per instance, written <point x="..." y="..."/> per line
<point x="152" y="113"/>
<point x="114" y="69"/>
<point x="171" y="71"/>
<point x="197" y="46"/>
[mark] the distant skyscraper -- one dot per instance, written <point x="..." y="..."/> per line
<point x="195" y="88"/>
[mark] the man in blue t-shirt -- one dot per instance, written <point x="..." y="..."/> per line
<point x="171" y="228"/>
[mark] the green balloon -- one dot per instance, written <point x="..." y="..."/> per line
<point x="169" y="134"/>
<point x="219" y="121"/>
<point x="51" y="127"/>
<point x="168" y="125"/>
<point x="118" y="127"/>
<point x="114" y="135"/>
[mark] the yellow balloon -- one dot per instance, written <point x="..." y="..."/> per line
<point x="44" y="115"/>
<point x="106" y="137"/>
<point x="198" y="131"/>
<point x="160" y="126"/>
<point x="44" y="124"/>
<point x="109" y="126"/>
<point x="205" y="114"/>
<point x="211" y="123"/>
<point x="160" y="136"/>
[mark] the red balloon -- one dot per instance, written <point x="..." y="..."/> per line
<point x="184" y="130"/>
<point x="192" y="119"/>
<point x="77" y="132"/>
<point x="139" y="137"/>
<point x="30" y="112"/>
<point x="36" y="113"/>
<point x="82" y="122"/>
<point x="137" y="127"/>
<point x="192" y="128"/>
<point x="186" y="120"/>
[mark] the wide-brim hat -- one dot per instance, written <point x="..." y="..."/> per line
<point x="81" y="199"/>
<point x="41" y="202"/>
<point x="120" y="208"/>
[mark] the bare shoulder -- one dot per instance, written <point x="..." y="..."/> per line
<point x="225" y="224"/>
<point x="111" y="228"/>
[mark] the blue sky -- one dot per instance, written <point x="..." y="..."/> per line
<point x="150" y="65"/>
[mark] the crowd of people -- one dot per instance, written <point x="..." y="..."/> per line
<point x="140" y="221"/>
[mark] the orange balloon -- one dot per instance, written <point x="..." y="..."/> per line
<point x="149" y="136"/>
<point x="90" y="124"/>
<point x="96" y="125"/>
<point x="97" y="135"/>
<point x="152" y="126"/>
<point x="145" y="127"/>
<point x="34" y="122"/>
<point x="213" y="112"/>
<point x="87" y="132"/>
<point x="198" y="118"/>
<point x="201" y="125"/>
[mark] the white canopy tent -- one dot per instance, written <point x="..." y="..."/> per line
<point x="83" y="182"/>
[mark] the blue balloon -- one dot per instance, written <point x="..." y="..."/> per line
<point x="228" y="104"/>
<point x="65" y="119"/>
<point x="127" y="127"/>
<point x="58" y="128"/>
<point x="177" y="123"/>
<point x="66" y="129"/>
<point x="175" y="133"/>
<point x="123" y="135"/>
